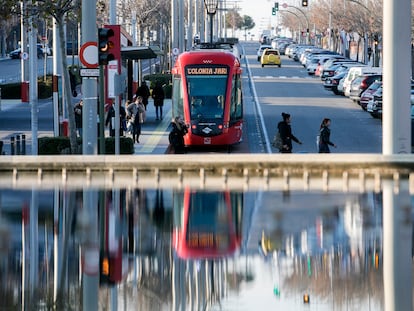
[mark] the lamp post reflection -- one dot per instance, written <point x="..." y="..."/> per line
<point x="211" y="7"/>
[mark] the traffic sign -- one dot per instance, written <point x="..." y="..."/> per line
<point x="88" y="54"/>
<point x="89" y="72"/>
<point x="285" y="5"/>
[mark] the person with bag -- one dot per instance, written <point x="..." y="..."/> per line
<point x="286" y="135"/>
<point x="176" y="136"/>
<point x="144" y="92"/>
<point x="325" y="136"/>
<point x="139" y="117"/>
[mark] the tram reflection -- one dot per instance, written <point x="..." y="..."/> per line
<point x="169" y="249"/>
<point x="207" y="224"/>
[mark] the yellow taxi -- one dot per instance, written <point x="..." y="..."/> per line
<point x="271" y="57"/>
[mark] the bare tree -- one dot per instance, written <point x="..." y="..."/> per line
<point x="59" y="10"/>
<point x="8" y="9"/>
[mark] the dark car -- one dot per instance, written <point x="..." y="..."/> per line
<point x="368" y="94"/>
<point x="331" y="83"/>
<point x="16" y="53"/>
<point x="360" y="84"/>
<point x="71" y="48"/>
<point x="374" y="106"/>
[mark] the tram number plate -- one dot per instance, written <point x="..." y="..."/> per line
<point x="207" y="141"/>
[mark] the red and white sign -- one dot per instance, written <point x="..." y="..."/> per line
<point x="88" y="54"/>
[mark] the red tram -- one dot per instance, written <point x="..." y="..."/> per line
<point x="207" y="93"/>
<point x="207" y="224"/>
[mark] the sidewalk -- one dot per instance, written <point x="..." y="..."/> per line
<point x="153" y="139"/>
<point x="154" y="135"/>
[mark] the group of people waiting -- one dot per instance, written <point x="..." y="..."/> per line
<point x="133" y="115"/>
<point x="323" y="137"/>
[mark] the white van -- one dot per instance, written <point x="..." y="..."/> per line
<point x="357" y="71"/>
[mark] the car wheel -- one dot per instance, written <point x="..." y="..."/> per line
<point x="262" y="65"/>
<point x="280" y="65"/>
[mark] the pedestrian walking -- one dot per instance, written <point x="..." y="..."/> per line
<point x="136" y="117"/>
<point x="144" y="92"/>
<point x="110" y="120"/>
<point x="78" y="117"/>
<point x="325" y="136"/>
<point x="176" y="136"/>
<point x="158" y="96"/>
<point x="286" y="134"/>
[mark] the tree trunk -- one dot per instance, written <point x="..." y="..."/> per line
<point x="68" y="92"/>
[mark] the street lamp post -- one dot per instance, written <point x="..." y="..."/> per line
<point x="211" y="7"/>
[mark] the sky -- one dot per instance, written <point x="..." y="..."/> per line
<point x="261" y="12"/>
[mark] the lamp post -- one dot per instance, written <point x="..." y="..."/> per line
<point x="211" y="7"/>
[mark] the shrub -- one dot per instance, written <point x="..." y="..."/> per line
<point x="13" y="90"/>
<point x="61" y="145"/>
<point x="164" y="79"/>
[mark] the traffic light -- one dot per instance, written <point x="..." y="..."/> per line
<point x="306" y="298"/>
<point x="276" y="6"/>
<point x="105" y="45"/>
<point x="273" y="11"/>
<point x="304" y="2"/>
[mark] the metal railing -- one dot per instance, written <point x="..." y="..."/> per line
<point x="326" y="172"/>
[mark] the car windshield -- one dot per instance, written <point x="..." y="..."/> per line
<point x="271" y="52"/>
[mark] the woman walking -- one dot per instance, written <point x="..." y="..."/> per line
<point x="286" y="134"/>
<point x="325" y="136"/>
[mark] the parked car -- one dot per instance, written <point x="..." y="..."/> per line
<point x="271" y="57"/>
<point x="331" y="83"/>
<point x="329" y="71"/>
<point x="358" y="71"/>
<point x="368" y="94"/>
<point x="374" y="106"/>
<point x="71" y="48"/>
<point x="15" y="54"/>
<point x="360" y="84"/>
<point x="261" y="49"/>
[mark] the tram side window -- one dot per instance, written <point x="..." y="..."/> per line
<point x="236" y="110"/>
<point x="177" y="107"/>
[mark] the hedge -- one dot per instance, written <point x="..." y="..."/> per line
<point x="61" y="145"/>
<point x="13" y="90"/>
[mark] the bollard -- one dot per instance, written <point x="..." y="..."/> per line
<point x="12" y="145"/>
<point x="24" y="144"/>
<point x="18" y="144"/>
<point x="1" y="147"/>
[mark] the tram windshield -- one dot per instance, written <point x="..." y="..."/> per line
<point x="206" y="93"/>
<point x="208" y="221"/>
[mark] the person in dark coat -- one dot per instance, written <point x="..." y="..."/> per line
<point x="158" y="96"/>
<point x="325" y="137"/>
<point x="144" y="92"/>
<point x="78" y="116"/>
<point x="286" y="134"/>
<point x="176" y="136"/>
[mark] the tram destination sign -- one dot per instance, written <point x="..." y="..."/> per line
<point x="206" y="70"/>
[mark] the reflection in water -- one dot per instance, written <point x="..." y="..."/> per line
<point x="165" y="249"/>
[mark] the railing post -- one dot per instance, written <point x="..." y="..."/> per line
<point x="12" y="145"/>
<point x="18" y="144"/>
<point x="24" y="144"/>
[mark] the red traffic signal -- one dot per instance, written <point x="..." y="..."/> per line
<point x="105" y="45"/>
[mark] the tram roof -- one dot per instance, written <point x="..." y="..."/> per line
<point x="141" y="52"/>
